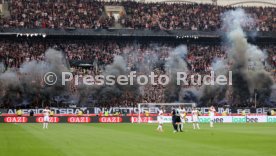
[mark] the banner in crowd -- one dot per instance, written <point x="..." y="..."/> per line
<point x="128" y="119"/>
<point x="135" y="110"/>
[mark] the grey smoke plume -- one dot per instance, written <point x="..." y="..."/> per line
<point x="219" y="66"/>
<point x="145" y="61"/>
<point x="273" y="94"/>
<point x="26" y="84"/>
<point x="120" y="66"/>
<point x="245" y="57"/>
<point x="9" y="87"/>
<point x="2" y="67"/>
<point x="215" y="93"/>
<point x="190" y="95"/>
<point x="175" y="63"/>
<point x="109" y="93"/>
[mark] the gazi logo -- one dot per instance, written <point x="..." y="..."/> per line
<point x="16" y="119"/>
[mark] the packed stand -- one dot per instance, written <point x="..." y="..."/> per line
<point x="57" y="14"/>
<point x="87" y="14"/>
<point x="201" y="17"/>
<point x="99" y="54"/>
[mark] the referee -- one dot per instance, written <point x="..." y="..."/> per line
<point x="175" y="120"/>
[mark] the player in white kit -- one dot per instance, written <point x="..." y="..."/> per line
<point x="160" y="120"/>
<point x="182" y="112"/>
<point x="195" y="114"/>
<point x="46" y="114"/>
<point x="212" y="112"/>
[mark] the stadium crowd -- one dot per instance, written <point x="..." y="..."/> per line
<point x="86" y="14"/>
<point x="100" y="53"/>
<point x="92" y="56"/>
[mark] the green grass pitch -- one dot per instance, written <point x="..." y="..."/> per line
<point x="246" y="139"/>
